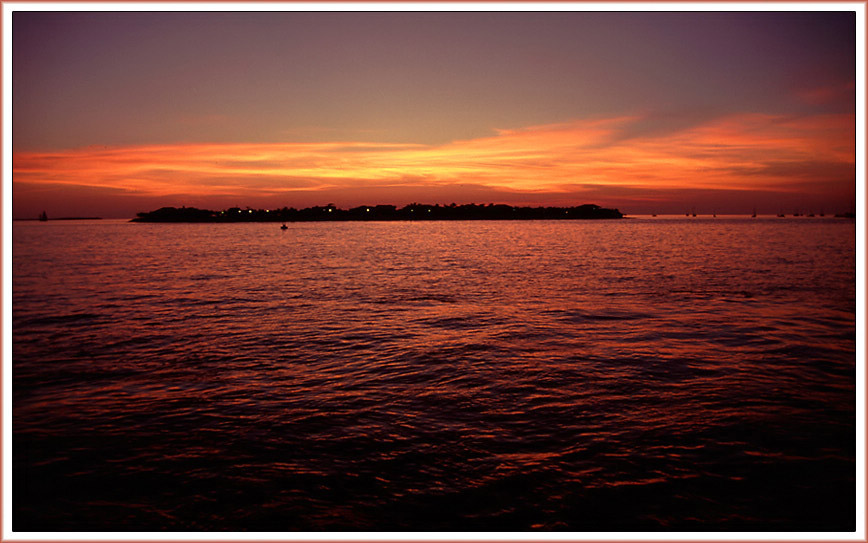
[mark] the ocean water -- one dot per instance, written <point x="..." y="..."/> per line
<point x="633" y="375"/>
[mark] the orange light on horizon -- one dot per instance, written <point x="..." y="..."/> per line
<point x="747" y="151"/>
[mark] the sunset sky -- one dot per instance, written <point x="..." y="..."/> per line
<point x="120" y="112"/>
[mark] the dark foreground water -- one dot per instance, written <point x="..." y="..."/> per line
<point x="633" y="375"/>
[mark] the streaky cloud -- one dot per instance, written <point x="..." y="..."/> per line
<point x="746" y="151"/>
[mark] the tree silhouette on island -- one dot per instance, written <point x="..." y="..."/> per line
<point x="411" y="212"/>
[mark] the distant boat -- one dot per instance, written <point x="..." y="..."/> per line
<point x="43" y="217"/>
<point x="284" y="227"/>
<point x="754" y="213"/>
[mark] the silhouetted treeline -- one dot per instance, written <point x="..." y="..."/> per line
<point x="379" y="213"/>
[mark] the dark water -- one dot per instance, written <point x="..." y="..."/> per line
<point x="498" y="376"/>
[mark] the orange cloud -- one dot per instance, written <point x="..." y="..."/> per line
<point x="748" y="151"/>
<point x="842" y="92"/>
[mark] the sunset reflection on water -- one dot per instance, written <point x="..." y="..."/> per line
<point x="647" y="375"/>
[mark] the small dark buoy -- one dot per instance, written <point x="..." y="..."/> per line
<point x="283" y="227"/>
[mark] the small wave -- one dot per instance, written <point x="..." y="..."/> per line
<point x="208" y="276"/>
<point x="415" y="300"/>
<point x="611" y="315"/>
<point x="72" y="318"/>
<point x="442" y="298"/>
<point x="461" y="322"/>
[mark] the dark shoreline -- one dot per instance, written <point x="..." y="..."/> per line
<point x="412" y="212"/>
<point x="63" y="219"/>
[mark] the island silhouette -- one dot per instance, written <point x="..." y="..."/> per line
<point x="411" y="212"/>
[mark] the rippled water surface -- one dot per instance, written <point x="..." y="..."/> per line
<point x="545" y="375"/>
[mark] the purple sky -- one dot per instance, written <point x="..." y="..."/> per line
<point x="120" y="79"/>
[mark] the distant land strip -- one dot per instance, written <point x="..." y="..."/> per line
<point x="411" y="212"/>
<point x="63" y="219"/>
